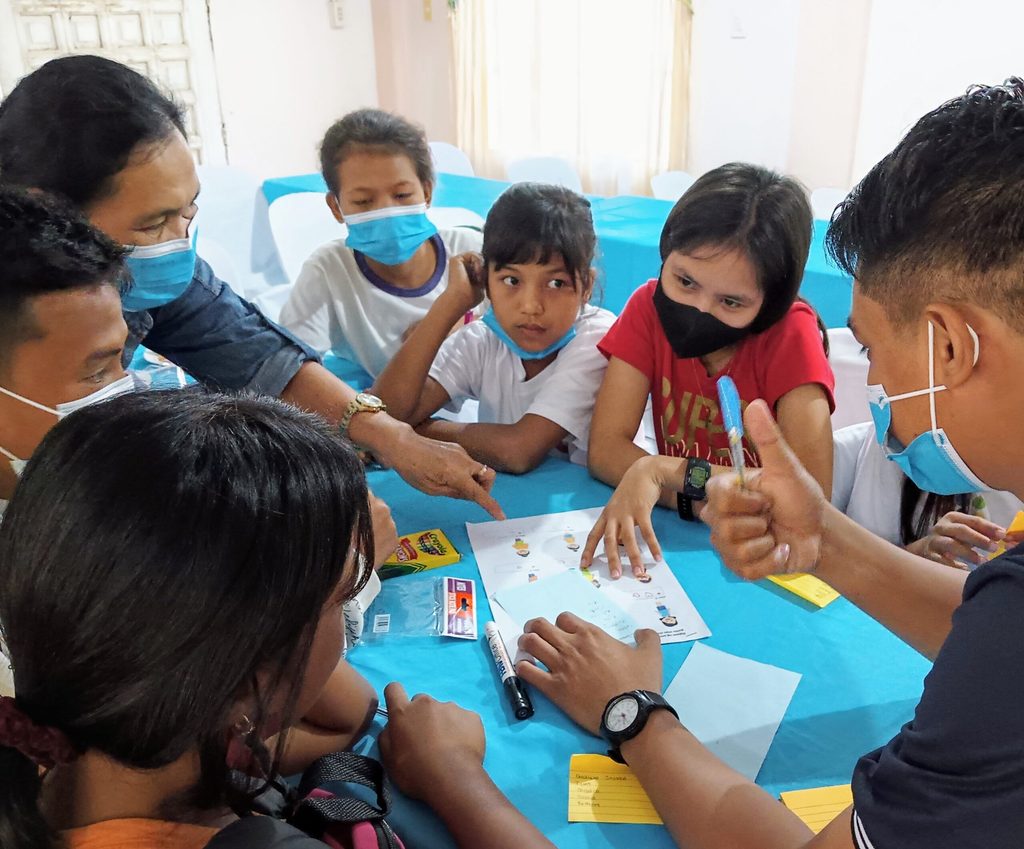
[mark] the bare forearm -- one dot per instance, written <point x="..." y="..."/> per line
<point x="492" y="444"/>
<point x="317" y="390"/>
<point x="912" y="597"/>
<point x="610" y="457"/>
<point x="477" y="813"/>
<point x="401" y="383"/>
<point x="704" y="803"/>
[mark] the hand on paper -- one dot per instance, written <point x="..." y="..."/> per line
<point x="776" y="522"/>
<point x="586" y="667"/>
<point x="956" y="536"/>
<point x="426" y="741"/>
<point x="385" y="535"/>
<point x="630" y="506"/>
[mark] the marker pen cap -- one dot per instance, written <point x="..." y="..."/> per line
<point x="518" y="698"/>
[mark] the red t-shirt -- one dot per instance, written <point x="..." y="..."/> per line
<point x="767" y="365"/>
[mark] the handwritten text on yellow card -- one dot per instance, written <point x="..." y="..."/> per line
<point x="601" y="790"/>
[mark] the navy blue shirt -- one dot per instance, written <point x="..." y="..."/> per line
<point x="219" y="338"/>
<point x="954" y="775"/>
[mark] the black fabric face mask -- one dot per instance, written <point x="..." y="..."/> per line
<point x="690" y="332"/>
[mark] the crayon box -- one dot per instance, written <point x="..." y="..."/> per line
<point x="419" y="552"/>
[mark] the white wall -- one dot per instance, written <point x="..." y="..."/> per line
<point x="285" y="75"/>
<point x="777" y="83"/>
<point x="741" y="88"/>
<point x="827" y="83"/>
<point x="921" y="53"/>
<point x="414" y="63"/>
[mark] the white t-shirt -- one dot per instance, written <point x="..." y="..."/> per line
<point x="474" y="363"/>
<point x="339" y="304"/>
<point x="867" y="487"/>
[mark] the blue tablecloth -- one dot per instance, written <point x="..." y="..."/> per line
<point x="860" y="683"/>
<point x="628" y="229"/>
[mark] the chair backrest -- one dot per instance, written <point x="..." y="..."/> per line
<point x="272" y="301"/>
<point x="825" y="200"/>
<point x="227" y="204"/>
<point x="670" y="185"/>
<point x="220" y="260"/>
<point x="451" y="159"/>
<point x="544" y="169"/>
<point x="300" y="223"/>
<point x="447" y="217"/>
<point x="850" y="368"/>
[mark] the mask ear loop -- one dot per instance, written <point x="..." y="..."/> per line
<point x="977" y="344"/>
<point x="931" y="380"/>
<point x="30" y="402"/>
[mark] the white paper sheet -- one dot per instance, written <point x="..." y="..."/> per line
<point x="567" y="591"/>
<point x="733" y="705"/>
<point x="517" y="552"/>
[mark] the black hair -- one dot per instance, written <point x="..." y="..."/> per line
<point x="941" y="217"/>
<point x="754" y="210"/>
<point x="919" y="511"/>
<point x="531" y="222"/>
<point x="46" y="246"/>
<point x="72" y="125"/>
<point x="378" y="131"/>
<point x="162" y="550"/>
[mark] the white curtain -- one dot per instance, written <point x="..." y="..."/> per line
<point x="601" y="83"/>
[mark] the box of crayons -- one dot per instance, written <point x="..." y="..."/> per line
<point x="419" y="552"/>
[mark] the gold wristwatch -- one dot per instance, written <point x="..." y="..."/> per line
<point x="364" y="402"/>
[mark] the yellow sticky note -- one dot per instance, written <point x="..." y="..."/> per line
<point x="809" y="588"/>
<point x="819" y="806"/>
<point x="601" y="790"/>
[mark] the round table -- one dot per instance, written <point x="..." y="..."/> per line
<point x="860" y="682"/>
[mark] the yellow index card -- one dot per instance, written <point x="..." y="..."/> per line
<point x="1016" y="527"/>
<point x="601" y="790"/>
<point x="818" y="806"/>
<point x="809" y="588"/>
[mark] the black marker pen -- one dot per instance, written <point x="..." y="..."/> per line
<point x="515" y="689"/>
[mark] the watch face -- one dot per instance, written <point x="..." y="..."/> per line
<point x="368" y="400"/>
<point x="699" y="477"/>
<point x="622" y="714"/>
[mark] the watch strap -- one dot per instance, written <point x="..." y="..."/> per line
<point x="357" y="406"/>
<point x="698" y="473"/>
<point x="684" y="507"/>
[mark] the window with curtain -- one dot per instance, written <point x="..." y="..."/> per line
<point x="600" y="83"/>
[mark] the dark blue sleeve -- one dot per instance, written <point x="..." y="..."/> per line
<point x="954" y="775"/>
<point x="224" y="341"/>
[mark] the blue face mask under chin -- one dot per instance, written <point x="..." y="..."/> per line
<point x="930" y="461"/>
<point x="390" y="235"/>
<point x="491" y="321"/>
<point x="160" y="273"/>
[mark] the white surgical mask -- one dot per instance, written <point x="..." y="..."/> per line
<point x="16" y="462"/>
<point x="128" y="383"/>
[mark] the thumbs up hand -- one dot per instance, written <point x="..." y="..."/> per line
<point x="774" y="524"/>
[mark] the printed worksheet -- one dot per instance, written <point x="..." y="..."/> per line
<point x="518" y="552"/>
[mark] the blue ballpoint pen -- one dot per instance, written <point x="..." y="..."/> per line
<point x="732" y="414"/>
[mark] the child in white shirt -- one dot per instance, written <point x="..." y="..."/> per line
<point x="532" y="361"/>
<point x="358" y="296"/>
<point x="958" y="530"/>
